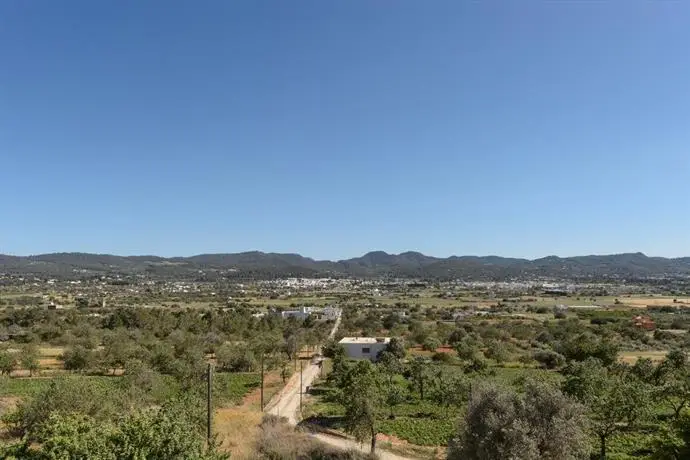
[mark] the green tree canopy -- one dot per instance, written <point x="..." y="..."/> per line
<point x="542" y="424"/>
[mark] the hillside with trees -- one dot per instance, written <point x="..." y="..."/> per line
<point x="260" y="265"/>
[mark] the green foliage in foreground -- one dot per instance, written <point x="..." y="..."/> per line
<point x="541" y="424"/>
<point x="141" y="415"/>
<point x="168" y="432"/>
<point x="26" y="387"/>
<point x="107" y="398"/>
<point x="227" y="386"/>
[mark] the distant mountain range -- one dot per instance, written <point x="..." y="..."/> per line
<point x="262" y="265"/>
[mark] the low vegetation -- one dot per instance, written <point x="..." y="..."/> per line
<point x="473" y="370"/>
<point x="569" y="368"/>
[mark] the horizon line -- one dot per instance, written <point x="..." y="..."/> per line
<point x="335" y="260"/>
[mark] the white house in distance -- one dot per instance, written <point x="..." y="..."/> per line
<point x="364" y="347"/>
<point x="302" y="313"/>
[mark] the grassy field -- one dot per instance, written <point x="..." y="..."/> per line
<point x="292" y="300"/>
<point x="237" y="424"/>
<point x="631" y="357"/>
<point x="23" y="387"/>
<point x="656" y="301"/>
<point x="227" y="386"/>
<point x="430" y="300"/>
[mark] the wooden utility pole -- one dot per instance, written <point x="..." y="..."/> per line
<point x="209" y="408"/>
<point x="300" y="386"/>
<point x="262" y="381"/>
<point x="296" y="353"/>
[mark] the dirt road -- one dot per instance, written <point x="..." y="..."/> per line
<point x="286" y="404"/>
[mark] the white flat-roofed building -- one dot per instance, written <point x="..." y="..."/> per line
<point x="364" y="347"/>
<point x="302" y="313"/>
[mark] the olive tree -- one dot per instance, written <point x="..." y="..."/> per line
<point x="615" y="399"/>
<point x="501" y="423"/>
<point x="673" y="381"/>
<point x="28" y="359"/>
<point x="361" y="395"/>
<point x="8" y="362"/>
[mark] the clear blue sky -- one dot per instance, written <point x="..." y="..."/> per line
<point x="331" y="128"/>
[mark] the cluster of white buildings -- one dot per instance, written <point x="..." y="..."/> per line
<point x="329" y="312"/>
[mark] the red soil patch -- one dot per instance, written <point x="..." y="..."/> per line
<point x="419" y="351"/>
<point x="272" y="382"/>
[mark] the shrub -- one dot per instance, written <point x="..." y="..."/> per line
<point x="168" y="432"/>
<point x="498" y="352"/>
<point x="549" y="359"/>
<point x="500" y="423"/>
<point x="8" y="362"/>
<point x="69" y="395"/>
<point x="235" y="359"/>
<point x="279" y="441"/>
<point x="443" y="358"/>
<point x="431" y="344"/>
<point x="332" y="349"/>
<point x="77" y="358"/>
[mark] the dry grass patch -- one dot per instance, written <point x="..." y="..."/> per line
<point x="654" y="301"/>
<point x="51" y="352"/>
<point x="237" y="427"/>
<point x="280" y="441"/>
<point x="238" y="430"/>
<point x="631" y="357"/>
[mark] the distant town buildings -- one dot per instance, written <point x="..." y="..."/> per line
<point x="329" y="312"/>
<point x="302" y="313"/>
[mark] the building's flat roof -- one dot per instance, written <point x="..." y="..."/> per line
<point x="365" y="340"/>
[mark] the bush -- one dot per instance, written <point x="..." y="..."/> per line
<point x="549" y="359"/>
<point x="477" y="364"/>
<point x="168" y="432"/>
<point x="280" y="441"/>
<point x="442" y="358"/>
<point x="235" y="359"/>
<point x="501" y="423"/>
<point x="544" y="337"/>
<point x="78" y="358"/>
<point x="70" y="395"/>
<point x="8" y="362"/>
<point x="332" y="349"/>
<point x="582" y="346"/>
<point x="498" y="352"/>
<point x="431" y="344"/>
<point x="526" y="359"/>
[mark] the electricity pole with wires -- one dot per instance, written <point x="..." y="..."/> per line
<point x="209" y="406"/>
<point x="300" y="386"/>
<point x="262" y="381"/>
